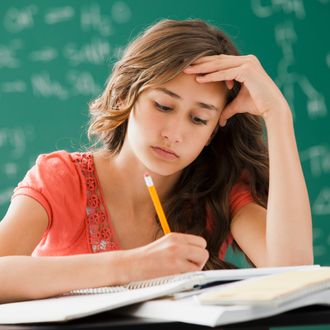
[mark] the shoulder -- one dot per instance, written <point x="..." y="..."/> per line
<point x="62" y="163"/>
<point x="55" y="181"/>
<point x="59" y="160"/>
<point x="54" y="171"/>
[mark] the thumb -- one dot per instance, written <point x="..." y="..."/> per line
<point x="229" y="111"/>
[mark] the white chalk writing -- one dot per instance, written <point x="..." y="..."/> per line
<point x="17" y="86"/>
<point x="13" y="141"/>
<point x="83" y="83"/>
<point x="286" y="6"/>
<point x="120" y="12"/>
<point x="5" y="195"/>
<point x="285" y="36"/>
<point x="16" y="20"/>
<point x="57" y="15"/>
<point x="44" y="55"/>
<point x="321" y="205"/>
<point x="94" y="52"/>
<point x="318" y="158"/>
<point x="43" y="85"/>
<point x="8" y="54"/>
<point x="92" y="19"/>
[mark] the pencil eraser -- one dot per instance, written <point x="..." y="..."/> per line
<point x="148" y="180"/>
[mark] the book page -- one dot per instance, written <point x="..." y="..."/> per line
<point x="270" y="288"/>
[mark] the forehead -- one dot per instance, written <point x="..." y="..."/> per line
<point x="186" y="86"/>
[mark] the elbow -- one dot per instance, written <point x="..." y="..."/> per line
<point x="291" y="259"/>
<point x="304" y="256"/>
<point x="301" y="261"/>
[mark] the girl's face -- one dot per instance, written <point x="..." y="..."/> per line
<point x="170" y="124"/>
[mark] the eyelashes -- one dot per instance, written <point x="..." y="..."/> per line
<point x="162" y="107"/>
<point x="196" y="120"/>
<point x="199" y="121"/>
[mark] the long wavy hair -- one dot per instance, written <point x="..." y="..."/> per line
<point x="201" y="195"/>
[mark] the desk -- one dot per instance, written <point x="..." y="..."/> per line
<point x="311" y="315"/>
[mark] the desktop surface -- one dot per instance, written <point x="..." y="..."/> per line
<point x="311" y="315"/>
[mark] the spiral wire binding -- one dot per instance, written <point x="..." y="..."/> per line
<point x="192" y="279"/>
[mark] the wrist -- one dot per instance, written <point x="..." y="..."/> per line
<point x="117" y="267"/>
<point x="280" y="116"/>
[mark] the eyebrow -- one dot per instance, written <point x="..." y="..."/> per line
<point x="176" y="96"/>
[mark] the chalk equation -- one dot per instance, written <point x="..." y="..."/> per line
<point x="318" y="159"/>
<point x="14" y="144"/>
<point x="321" y="205"/>
<point x="289" y="79"/>
<point x="80" y="58"/>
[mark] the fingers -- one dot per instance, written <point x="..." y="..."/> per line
<point x="183" y="258"/>
<point x="197" y="256"/>
<point x="222" y="68"/>
<point x="188" y="239"/>
<point x="171" y="254"/>
<point x="230" y="84"/>
<point x="241" y="104"/>
<point x="223" y="75"/>
<point x="222" y="58"/>
<point x="205" y="67"/>
<point x="183" y="248"/>
<point x="227" y="113"/>
<point x="189" y="248"/>
<point x="257" y="95"/>
<point x="233" y="60"/>
<point x="215" y="62"/>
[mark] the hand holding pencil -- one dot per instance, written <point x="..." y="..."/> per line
<point x="191" y="253"/>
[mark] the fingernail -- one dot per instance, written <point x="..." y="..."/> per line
<point x="229" y="84"/>
<point x="223" y="123"/>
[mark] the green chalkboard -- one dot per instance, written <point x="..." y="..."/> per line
<point x="55" y="57"/>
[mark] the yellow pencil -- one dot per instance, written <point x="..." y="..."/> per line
<point x="157" y="204"/>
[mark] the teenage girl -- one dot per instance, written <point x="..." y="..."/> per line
<point x="184" y="106"/>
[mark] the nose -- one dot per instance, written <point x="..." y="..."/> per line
<point x="173" y="130"/>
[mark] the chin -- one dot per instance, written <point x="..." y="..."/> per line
<point x="161" y="172"/>
<point x="162" y="169"/>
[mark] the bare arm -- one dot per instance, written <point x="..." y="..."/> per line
<point x="282" y="235"/>
<point x="22" y="227"/>
<point x="289" y="222"/>
<point x="25" y="277"/>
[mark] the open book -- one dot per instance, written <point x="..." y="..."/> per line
<point x="243" y="301"/>
<point x="80" y="303"/>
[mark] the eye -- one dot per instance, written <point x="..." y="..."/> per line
<point x="162" y="107"/>
<point x="198" y="121"/>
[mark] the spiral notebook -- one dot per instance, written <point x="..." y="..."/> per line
<point x="84" y="302"/>
<point x="194" y="280"/>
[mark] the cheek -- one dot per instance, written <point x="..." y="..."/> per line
<point x="140" y="126"/>
<point x="197" y="142"/>
<point x="143" y="116"/>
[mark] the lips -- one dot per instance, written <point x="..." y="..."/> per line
<point x="165" y="153"/>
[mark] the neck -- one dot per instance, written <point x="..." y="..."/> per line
<point x="126" y="177"/>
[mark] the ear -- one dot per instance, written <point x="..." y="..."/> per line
<point x="212" y="135"/>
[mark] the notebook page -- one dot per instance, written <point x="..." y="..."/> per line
<point x="245" y="273"/>
<point x="69" y="307"/>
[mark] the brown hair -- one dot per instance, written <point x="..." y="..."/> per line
<point x="202" y="192"/>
